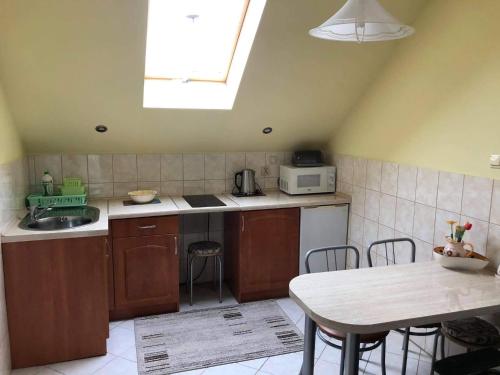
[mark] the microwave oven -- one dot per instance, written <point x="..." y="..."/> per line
<point x="307" y="180"/>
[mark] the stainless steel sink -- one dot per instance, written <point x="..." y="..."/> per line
<point x="61" y="218"/>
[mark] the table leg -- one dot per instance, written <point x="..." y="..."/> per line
<point x="309" y="343"/>
<point x="351" y="366"/>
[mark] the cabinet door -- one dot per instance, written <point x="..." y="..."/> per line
<point x="146" y="271"/>
<point x="269" y="252"/>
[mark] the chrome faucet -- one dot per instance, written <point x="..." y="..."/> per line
<point x="36" y="212"/>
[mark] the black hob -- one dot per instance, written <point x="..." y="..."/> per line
<point x="198" y="201"/>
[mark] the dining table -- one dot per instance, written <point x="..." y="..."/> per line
<point x="369" y="300"/>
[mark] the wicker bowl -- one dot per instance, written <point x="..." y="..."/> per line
<point x="471" y="262"/>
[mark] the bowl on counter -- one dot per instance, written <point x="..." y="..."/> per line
<point x="143" y="196"/>
<point x="471" y="262"/>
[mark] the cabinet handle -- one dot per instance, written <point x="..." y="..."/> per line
<point x="242" y="223"/>
<point x="147" y="227"/>
<point x="175" y="240"/>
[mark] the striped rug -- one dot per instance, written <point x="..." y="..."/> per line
<point x="191" y="340"/>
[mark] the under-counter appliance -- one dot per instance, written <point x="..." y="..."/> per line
<point x="323" y="226"/>
<point x="307" y="180"/>
<point x="208" y="200"/>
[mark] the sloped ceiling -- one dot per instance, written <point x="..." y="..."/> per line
<point x="68" y="65"/>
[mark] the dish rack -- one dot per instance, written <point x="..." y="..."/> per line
<point x="57" y="200"/>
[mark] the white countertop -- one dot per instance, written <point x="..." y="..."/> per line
<point x="114" y="209"/>
<point x="391" y="297"/>
<point x="12" y="233"/>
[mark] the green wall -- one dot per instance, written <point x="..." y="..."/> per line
<point x="437" y="102"/>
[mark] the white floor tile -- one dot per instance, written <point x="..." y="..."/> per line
<point x="326" y="368"/>
<point x="393" y="365"/>
<point x="127" y="324"/>
<point x="27" y="371"/>
<point x="82" y="366"/>
<point x="283" y="364"/>
<point x="192" y="372"/>
<point x="118" y="366"/>
<point x="254" y="363"/>
<point x="293" y="311"/>
<point x="120" y="340"/>
<point x="129" y="354"/>
<point x="230" y="369"/>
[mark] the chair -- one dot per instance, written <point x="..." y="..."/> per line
<point x="204" y="249"/>
<point x="390" y="258"/>
<point x="472" y="363"/>
<point x="329" y="259"/>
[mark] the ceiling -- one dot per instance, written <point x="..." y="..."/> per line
<point x="67" y="66"/>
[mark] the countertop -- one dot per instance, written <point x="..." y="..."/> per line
<point x="114" y="209"/>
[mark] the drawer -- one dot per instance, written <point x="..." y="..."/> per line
<point x="145" y="226"/>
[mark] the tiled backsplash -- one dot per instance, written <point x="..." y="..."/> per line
<point x="13" y="189"/>
<point x="391" y="200"/>
<point x="114" y="175"/>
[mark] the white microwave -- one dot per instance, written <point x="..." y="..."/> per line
<point x="307" y="180"/>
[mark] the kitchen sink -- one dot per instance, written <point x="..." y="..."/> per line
<point x="61" y="218"/>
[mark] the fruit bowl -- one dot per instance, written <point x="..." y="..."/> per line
<point x="143" y="196"/>
<point x="471" y="262"/>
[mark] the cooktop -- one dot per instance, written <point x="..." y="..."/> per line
<point x="197" y="201"/>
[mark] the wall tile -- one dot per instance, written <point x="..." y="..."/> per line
<point x="493" y="250"/>
<point x="359" y="172"/>
<point x="235" y="162"/>
<point x="347" y="169"/>
<point x="385" y="233"/>
<point x="75" y="166"/>
<point x="194" y="187"/>
<point x="450" y="191"/>
<point x="32" y="171"/>
<point x="476" y="200"/>
<point x="356" y="228"/>
<point x="121" y="189"/>
<point x="427" y="186"/>
<point x="387" y="210"/>
<point x="215" y="166"/>
<point x="125" y="168"/>
<point x="100" y="168"/>
<point x="172" y="167"/>
<point x="442" y="228"/>
<point x="495" y="204"/>
<point x="193" y="167"/>
<point x="271" y="183"/>
<point x="149" y="167"/>
<point x="273" y="162"/>
<point x="174" y="188"/>
<point x="358" y="201"/>
<point x="370" y="232"/>
<point x="407" y="182"/>
<point x="51" y="163"/>
<point x="372" y="205"/>
<point x="102" y="190"/>
<point x="424" y="220"/>
<point x="424" y="250"/>
<point x="255" y="161"/>
<point x="478" y="235"/>
<point x="405" y="211"/>
<point x="389" y="183"/>
<point x="215" y="186"/>
<point x="345" y="188"/>
<point x="373" y="174"/>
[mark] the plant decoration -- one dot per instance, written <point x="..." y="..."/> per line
<point x="458" y="231"/>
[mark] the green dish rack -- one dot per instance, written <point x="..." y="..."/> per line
<point x="57" y="200"/>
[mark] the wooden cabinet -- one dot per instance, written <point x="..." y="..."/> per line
<point x="145" y="266"/>
<point x="261" y="252"/>
<point x="56" y="298"/>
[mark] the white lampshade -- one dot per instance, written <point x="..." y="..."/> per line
<point x="362" y="21"/>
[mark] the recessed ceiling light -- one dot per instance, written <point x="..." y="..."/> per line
<point x="267" y="130"/>
<point x="101" y="128"/>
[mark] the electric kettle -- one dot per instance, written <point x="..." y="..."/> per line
<point x="245" y="182"/>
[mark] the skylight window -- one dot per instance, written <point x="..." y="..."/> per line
<point x="197" y="51"/>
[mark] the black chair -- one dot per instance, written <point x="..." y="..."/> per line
<point x="390" y="257"/>
<point x="334" y="259"/>
<point x="472" y="363"/>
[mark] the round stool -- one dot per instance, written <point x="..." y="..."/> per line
<point x="472" y="333"/>
<point x="204" y="249"/>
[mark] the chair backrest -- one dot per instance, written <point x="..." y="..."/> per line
<point x="389" y="252"/>
<point x="332" y="258"/>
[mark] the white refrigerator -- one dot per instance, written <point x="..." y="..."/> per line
<point x="322" y="226"/>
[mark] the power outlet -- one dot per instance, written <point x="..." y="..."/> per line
<point x="265" y="171"/>
<point x="495" y="161"/>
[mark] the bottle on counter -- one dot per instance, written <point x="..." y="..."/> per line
<point x="47" y="184"/>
